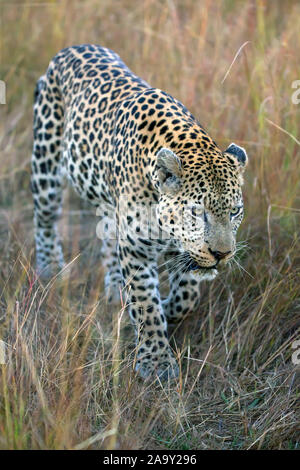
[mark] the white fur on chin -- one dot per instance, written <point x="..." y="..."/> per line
<point x="205" y="274"/>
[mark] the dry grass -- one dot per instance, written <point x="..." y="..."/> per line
<point x="68" y="381"/>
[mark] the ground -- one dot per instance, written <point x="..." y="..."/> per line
<point x="68" y="380"/>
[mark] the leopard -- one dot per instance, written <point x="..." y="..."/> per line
<point x="139" y="156"/>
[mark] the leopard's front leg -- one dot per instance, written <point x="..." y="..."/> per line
<point x="139" y="269"/>
<point x="183" y="298"/>
<point x="184" y="294"/>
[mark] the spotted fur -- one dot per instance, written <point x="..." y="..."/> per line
<point x="118" y="141"/>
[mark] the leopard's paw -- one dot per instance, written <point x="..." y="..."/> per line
<point x="163" y="366"/>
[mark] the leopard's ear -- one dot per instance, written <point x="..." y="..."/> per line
<point x="168" y="171"/>
<point x="237" y="155"/>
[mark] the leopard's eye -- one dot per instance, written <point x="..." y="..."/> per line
<point x="235" y="212"/>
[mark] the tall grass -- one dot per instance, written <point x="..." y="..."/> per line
<point x="68" y="379"/>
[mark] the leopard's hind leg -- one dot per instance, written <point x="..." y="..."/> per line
<point x="47" y="178"/>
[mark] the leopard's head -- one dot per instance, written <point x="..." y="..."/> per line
<point x="201" y="205"/>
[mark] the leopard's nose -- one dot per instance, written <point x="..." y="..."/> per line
<point x="219" y="254"/>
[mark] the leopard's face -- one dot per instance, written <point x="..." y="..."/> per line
<point x="201" y="207"/>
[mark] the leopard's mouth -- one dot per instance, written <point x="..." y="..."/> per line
<point x="192" y="265"/>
